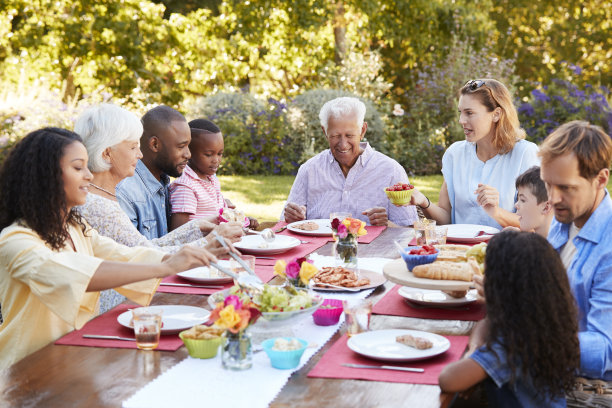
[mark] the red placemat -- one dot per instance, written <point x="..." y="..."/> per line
<point x="264" y="272"/>
<point x="393" y="304"/>
<point x="107" y="325"/>
<point x="330" y="365"/>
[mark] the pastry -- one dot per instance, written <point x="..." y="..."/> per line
<point x="453" y="253"/>
<point x="413" y="341"/>
<point x="307" y="226"/>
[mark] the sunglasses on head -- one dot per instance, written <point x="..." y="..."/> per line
<point x="474" y="84"/>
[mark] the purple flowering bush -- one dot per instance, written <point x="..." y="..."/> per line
<point x="256" y="133"/>
<point x="549" y="106"/>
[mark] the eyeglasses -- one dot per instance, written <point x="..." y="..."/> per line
<point x="474" y="84"/>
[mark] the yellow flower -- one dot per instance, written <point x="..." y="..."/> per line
<point x="355" y="226"/>
<point x="279" y="268"/>
<point x="228" y="317"/>
<point x="307" y="271"/>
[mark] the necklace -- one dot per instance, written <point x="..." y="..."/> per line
<point x="102" y="189"/>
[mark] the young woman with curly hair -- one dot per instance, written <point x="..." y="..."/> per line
<point x="479" y="172"/>
<point x="52" y="264"/>
<point x="528" y="343"/>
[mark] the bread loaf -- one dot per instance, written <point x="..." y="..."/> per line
<point x="445" y="270"/>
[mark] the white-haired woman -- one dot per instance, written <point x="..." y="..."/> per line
<point x="350" y="176"/>
<point x="111" y="136"/>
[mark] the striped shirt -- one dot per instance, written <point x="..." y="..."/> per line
<point x="195" y="196"/>
<point x="321" y="186"/>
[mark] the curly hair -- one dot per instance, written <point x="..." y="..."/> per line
<point x="531" y="310"/>
<point x="493" y="95"/>
<point x="32" y="187"/>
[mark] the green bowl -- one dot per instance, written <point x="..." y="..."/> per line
<point x="201" y="348"/>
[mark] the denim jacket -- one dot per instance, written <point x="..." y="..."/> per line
<point x="146" y="201"/>
<point x="590" y="277"/>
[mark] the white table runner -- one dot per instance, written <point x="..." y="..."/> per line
<point x="195" y="382"/>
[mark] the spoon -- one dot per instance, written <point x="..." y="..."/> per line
<point x="399" y="247"/>
<point x="268" y="235"/>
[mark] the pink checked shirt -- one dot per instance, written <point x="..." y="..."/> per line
<point x="195" y="196"/>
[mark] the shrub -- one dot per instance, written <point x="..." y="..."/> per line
<point x="550" y="106"/>
<point x="255" y="133"/>
<point x="303" y="118"/>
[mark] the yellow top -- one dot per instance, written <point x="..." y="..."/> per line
<point x="43" y="292"/>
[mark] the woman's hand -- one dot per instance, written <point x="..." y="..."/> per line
<point x="488" y="199"/>
<point x="217" y="249"/>
<point x="188" y="257"/>
<point x="419" y="199"/>
<point x="253" y="223"/>
<point x="231" y="230"/>
<point x="479" y="284"/>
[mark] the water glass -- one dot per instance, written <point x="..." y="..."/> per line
<point x="439" y="236"/>
<point x="424" y="231"/>
<point x="147" y="327"/>
<point x="357" y="316"/>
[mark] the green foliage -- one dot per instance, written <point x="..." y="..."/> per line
<point x="254" y="133"/>
<point x="303" y="117"/>
<point x="549" y="106"/>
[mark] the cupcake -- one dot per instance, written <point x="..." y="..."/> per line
<point x="328" y="313"/>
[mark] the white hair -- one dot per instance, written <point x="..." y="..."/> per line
<point x="105" y="126"/>
<point x="340" y="107"/>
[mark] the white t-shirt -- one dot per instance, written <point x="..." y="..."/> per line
<point x="569" y="249"/>
<point x="463" y="171"/>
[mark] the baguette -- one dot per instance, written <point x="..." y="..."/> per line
<point x="454" y="253"/>
<point x="445" y="270"/>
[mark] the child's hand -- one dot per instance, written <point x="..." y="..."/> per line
<point x="229" y="203"/>
<point x="253" y="223"/>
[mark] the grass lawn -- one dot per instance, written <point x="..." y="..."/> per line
<point x="263" y="197"/>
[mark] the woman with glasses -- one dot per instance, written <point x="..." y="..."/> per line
<point x="480" y="171"/>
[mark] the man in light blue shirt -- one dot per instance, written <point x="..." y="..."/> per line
<point x="165" y="148"/>
<point x="576" y="159"/>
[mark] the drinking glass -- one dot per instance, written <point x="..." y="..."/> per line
<point x="357" y="316"/>
<point x="147" y="327"/>
<point x="424" y="230"/>
<point x="339" y="215"/>
<point x="439" y="236"/>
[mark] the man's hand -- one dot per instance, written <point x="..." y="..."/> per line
<point x="377" y="215"/>
<point x="294" y="212"/>
<point x="488" y="199"/>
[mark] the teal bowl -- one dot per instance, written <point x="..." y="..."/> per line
<point x="284" y="360"/>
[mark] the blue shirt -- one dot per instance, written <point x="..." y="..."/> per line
<point x="463" y="171"/>
<point x="521" y="393"/>
<point x="146" y="201"/>
<point x="590" y="277"/>
<point x="321" y="186"/>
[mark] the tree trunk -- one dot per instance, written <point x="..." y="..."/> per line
<point x="339" y="33"/>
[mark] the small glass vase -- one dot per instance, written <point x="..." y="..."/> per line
<point x="237" y="351"/>
<point x="345" y="252"/>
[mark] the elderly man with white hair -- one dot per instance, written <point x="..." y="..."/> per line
<point x="350" y="176"/>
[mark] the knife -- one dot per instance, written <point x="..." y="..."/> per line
<point x="190" y="286"/>
<point x="281" y="229"/>
<point x="386" y="367"/>
<point x="99" y="336"/>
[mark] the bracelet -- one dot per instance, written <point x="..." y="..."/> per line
<point x="428" y="203"/>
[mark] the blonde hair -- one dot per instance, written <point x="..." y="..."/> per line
<point x="493" y="94"/>
<point x="591" y="145"/>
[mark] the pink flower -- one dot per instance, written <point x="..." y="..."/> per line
<point x="293" y="270"/>
<point x="342" y="231"/>
<point x="233" y="300"/>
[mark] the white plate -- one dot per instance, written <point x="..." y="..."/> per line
<point x="175" y="318"/>
<point x="467" y="233"/>
<point x="427" y="297"/>
<point x="204" y="274"/>
<point x="255" y="244"/>
<point x="381" y="345"/>
<point x="376" y="279"/>
<point x="324" y="228"/>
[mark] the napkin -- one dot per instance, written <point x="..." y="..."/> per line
<point x="394" y="304"/>
<point x="330" y="364"/>
<point x="107" y="324"/>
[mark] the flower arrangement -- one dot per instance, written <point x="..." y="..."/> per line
<point x="298" y="272"/>
<point x="235" y="314"/>
<point x="346" y="233"/>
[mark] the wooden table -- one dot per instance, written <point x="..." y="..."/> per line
<point x="72" y="376"/>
